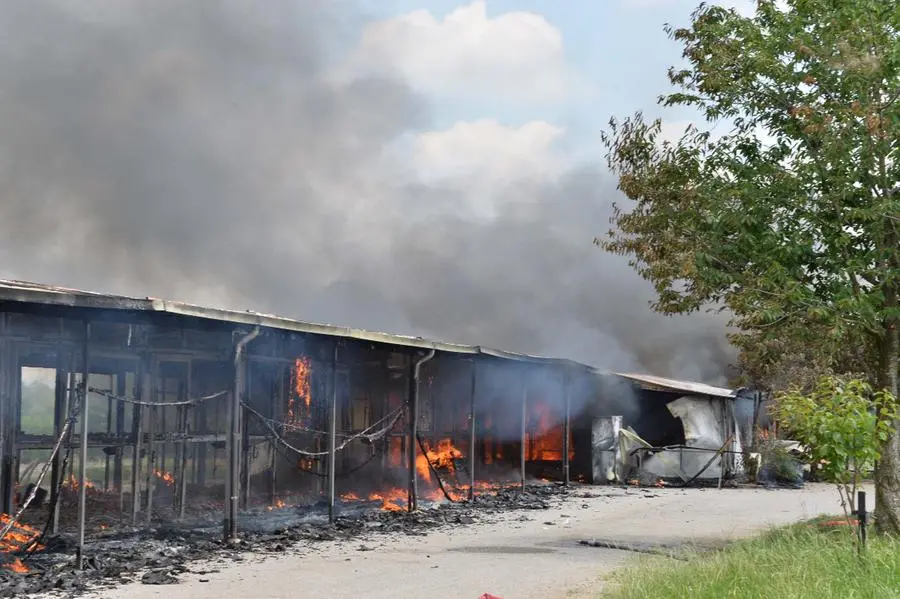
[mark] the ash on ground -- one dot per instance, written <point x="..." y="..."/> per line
<point x="159" y="555"/>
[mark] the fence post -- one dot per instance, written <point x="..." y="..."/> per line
<point x="863" y="517"/>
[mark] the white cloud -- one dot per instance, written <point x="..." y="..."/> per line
<point x="744" y="7"/>
<point x="672" y="131"/>
<point x="514" y="56"/>
<point x="489" y="149"/>
<point x="481" y="160"/>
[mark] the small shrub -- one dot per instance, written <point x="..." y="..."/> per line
<point x="843" y="424"/>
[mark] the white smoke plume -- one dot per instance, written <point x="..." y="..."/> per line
<point x="216" y="152"/>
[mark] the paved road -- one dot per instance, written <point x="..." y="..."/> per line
<point x="524" y="555"/>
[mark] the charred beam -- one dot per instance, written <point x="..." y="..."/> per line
<point x="60" y="410"/>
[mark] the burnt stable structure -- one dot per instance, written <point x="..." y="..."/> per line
<point x="133" y="410"/>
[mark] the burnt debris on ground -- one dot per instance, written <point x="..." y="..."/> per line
<point x="159" y="555"/>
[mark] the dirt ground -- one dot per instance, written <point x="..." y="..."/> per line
<point x="523" y="555"/>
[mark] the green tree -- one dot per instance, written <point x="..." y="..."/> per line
<point x="790" y="220"/>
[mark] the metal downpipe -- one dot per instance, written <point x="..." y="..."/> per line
<point x="233" y="440"/>
<point x="413" y="428"/>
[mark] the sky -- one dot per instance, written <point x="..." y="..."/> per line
<point x="584" y="61"/>
<point x="420" y="167"/>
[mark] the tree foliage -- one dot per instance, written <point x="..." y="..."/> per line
<point x="790" y="218"/>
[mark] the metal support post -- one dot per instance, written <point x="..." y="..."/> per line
<point x="120" y="444"/>
<point x="276" y="390"/>
<point x="524" y="433"/>
<point x="567" y="431"/>
<point x="177" y="474"/>
<point x="8" y="418"/>
<point x="413" y="412"/>
<point x="183" y="467"/>
<point x="5" y="504"/>
<point x="137" y="427"/>
<point x="472" y="433"/>
<point x="82" y="466"/>
<point x="179" y="465"/>
<point x="385" y="441"/>
<point x="107" y="465"/>
<point x="332" y="434"/>
<point x="151" y="444"/>
<point x="233" y="441"/>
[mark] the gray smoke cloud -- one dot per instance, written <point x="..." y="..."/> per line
<point x="206" y="151"/>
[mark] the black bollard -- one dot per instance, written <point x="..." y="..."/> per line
<point x="863" y="517"/>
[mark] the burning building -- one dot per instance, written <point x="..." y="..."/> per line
<point x="137" y="410"/>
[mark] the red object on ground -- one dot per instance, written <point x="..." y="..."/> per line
<point x="489" y="596"/>
<point x="852" y="522"/>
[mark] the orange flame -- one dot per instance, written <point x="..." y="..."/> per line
<point x="279" y="503"/>
<point x="18" y="536"/>
<point x="16" y="565"/>
<point x="305" y="464"/>
<point x="301" y="389"/>
<point x="164" y="476"/>
<point x="546" y="442"/>
<point x="442" y="457"/>
<point x="71" y="483"/>
<point x="392" y="499"/>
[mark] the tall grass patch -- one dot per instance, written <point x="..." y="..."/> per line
<point x="815" y="560"/>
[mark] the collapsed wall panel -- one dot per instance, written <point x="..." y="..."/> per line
<point x="704" y="434"/>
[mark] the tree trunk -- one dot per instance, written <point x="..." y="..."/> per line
<point x="887" y="473"/>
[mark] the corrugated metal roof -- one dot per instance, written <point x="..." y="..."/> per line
<point x="36" y="293"/>
<point x="659" y="383"/>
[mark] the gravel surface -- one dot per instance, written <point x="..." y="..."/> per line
<point x="523" y="554"/>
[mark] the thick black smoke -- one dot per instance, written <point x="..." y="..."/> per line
<point x="206" y="151"/>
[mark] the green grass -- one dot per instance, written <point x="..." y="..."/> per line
<point x="810" y="560"/>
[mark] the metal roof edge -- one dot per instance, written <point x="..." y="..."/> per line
<point x="21" y="291"/>
<point x="28" y="292"/>
<point x="298" y="326"/>
<point x="657" y="383"/>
